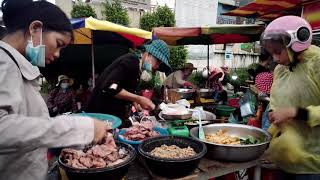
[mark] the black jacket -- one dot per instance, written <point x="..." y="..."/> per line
<point x="124" y="73"/>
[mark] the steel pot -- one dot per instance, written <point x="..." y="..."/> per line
<point x="235" y="153"/>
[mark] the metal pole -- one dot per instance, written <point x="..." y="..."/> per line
<point x="208" y="58"/>
<point x="92" y="61"/>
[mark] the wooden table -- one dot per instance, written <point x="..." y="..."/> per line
<point x="206" y="169"/>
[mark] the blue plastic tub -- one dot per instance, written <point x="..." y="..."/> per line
<point x="116" y="122"/>
<point x="135" y="144"/>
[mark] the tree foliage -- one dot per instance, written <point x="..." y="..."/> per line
<point x="114" y="12"/>
<point x="148" y="21"/>
<point x="178" y="57"/>
<point x="164" y="17"/>
<point x="80" y="10"/>
<point x="161" y="17"/>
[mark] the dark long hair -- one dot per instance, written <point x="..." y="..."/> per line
<point x="18" y="14"/>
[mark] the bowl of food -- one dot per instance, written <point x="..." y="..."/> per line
<point x="185" y="93"/>
<point x="109" y="160"/>
<point x="233" y="142"/>
<point x="206" y="93"/>
<point x="135" y="134"/>
<point x="172" y="156"/>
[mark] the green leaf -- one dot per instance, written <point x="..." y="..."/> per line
<point x="80" y="10"/>
<point x="114" y="12"/>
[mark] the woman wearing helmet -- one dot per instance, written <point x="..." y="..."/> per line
<point x="295" y="97"/>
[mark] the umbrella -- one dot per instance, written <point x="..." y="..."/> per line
<point x="220" y="34"/>
<point x="270" y="9"/>
<point x="91" y="31"/>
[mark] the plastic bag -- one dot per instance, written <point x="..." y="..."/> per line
<point x="184" y="102"/>
<point x="265" y="119"/>
<point x="173" y="109"/>
<point x="247" y="104"/>
<point x="232" y="119"/>
<point x="200" y="110"/>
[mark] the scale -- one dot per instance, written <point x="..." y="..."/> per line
<point x="178" y="128"/>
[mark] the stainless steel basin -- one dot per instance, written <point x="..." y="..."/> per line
<point x="235" y="153"/>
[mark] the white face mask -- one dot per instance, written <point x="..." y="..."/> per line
<point x="64" y="85"/>
<point x="146" y="76"/>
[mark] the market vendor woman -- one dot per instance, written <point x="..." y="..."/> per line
<point x="116" y="86"/>
<point x="178" y="79"/>
<point x="295" y="98"/>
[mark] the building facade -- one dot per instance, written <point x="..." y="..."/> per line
<point x="190" y="13"/>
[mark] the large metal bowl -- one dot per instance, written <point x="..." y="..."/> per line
<point x="185" y="93"/>
<point x="206" y="93"/>
<point x="234" y="153"/>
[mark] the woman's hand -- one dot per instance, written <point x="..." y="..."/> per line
<point x="146" y="103"/>
<point x="100" y="130"/>
<point x="282" y="115"/>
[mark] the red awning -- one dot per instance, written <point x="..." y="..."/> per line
<point x="270" y="9"/>
<point x="220" y="34"/>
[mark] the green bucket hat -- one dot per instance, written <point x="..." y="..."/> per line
<point x="160" y="50"/>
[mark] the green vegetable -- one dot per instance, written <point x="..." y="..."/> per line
<point x="250" y="140"/>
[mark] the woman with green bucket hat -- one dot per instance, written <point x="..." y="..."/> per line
<point x="115" y="89"/>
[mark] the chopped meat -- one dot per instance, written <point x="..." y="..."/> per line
<point x="140" y="131"/>
<point x="86" y="161"/>
<point x="76" y="164"/>
<point x="118" y="161"/>
<point x="98" y="163"/>
<point x="97" y="156"/>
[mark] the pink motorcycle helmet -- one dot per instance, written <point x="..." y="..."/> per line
<point x="292" y="31"/>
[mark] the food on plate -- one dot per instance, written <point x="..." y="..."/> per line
<point x="172" y="152"/>
<point x="222" y="137"/>
<point x="140" y="131"/>
<point x="98" y="156"/>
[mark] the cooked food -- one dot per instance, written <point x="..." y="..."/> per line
<point x="97" y="156"/>
<point x="222" y="137"/>
<point x="140" y="131"/>
<point x="250" y="140"/>
<point x="172" y="152"/>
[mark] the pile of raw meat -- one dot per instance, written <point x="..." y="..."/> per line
<point x="98" y="156"/>
<point x="140" y="131"/>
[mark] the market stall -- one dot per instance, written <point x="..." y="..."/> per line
<point x="96" y="45"/>
<point x="267" y="10"/>
<point x="92" y="31"/>
<point x="219" y="34"/>
<point x="184" y="157"/>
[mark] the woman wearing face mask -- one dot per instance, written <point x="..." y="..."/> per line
<point x="115" y="89"/>
<point x="26" y="130"/>
<point x="295" y="98"/>
<point x="178" y="79"/>
<point x="62" y="98"/>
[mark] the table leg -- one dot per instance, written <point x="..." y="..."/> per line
<point x="257" y="173"/>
